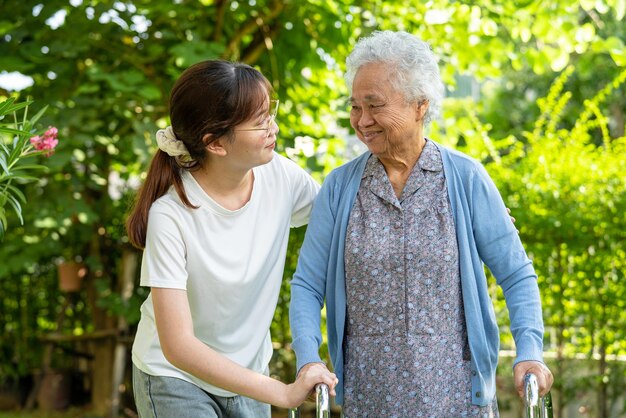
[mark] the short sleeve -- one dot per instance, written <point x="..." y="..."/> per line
<point x="304" y="189"/>
<point x="164" y="258"/>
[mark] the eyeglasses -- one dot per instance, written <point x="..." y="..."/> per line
<point x="273" y="111"/>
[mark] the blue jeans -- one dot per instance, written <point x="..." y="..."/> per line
<point x="170" y="397"/>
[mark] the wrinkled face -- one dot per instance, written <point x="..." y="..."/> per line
<point x="380" y="115"/>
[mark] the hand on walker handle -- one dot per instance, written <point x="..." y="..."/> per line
<point x="541" y="372"/>
<point x="331" y="387"/>
<point x="536" y="406"/>
<point x="308" y="378"/>
<point x="322" y="403"/>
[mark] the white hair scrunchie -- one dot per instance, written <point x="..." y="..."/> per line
<point x="174" y="147"/>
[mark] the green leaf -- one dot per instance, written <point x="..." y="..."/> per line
<point x="29" y="167"/>
<point x="619" y="56"/>
<point x="13" y="131"/>
<point x="3" y="162"/>
<point x="15" y="63"/>
<point x="15" y="153"/>
<point x="3" y="223"/>
<point x="10" y="108"/>
<point x="39" y="114"/>
<point x="17" y="192"/>
<point x="5" y="105"/>
<point x="16" y="207"/>
<point x="22" y="178"/>
<point x="187" y="53"/>
<point x="150" y="92"/>
<point x="88" y="88"/>
<point x="620" y="9"/>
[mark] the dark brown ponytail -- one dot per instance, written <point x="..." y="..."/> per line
<point x="162" y="174"/>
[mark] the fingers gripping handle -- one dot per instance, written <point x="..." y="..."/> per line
<point x="322" y="402"/>
<point x="536" y="406"/>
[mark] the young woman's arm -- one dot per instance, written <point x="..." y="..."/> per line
<point x="182" y="349"/>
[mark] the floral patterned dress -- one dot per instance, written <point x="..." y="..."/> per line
<point x="405" y="352"/>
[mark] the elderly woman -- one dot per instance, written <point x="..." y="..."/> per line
<point x="396" y="245"/>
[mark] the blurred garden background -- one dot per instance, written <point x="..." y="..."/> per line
<point x="536" y="91"/>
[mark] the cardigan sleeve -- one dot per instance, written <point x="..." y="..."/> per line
<point x="308" y="285"/>
<point x="501" y="249"/>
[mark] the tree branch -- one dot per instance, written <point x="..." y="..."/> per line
<point x="219" y="20"/>
<point x="253" y="24"/>
<point x="595" y="18"/>
<point x="262" y="43"/>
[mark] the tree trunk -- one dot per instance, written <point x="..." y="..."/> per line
<point x="103" y="348"/>
<point x="602" y="390"/>
<point x="130" y="261"/>
<point x="102" y="376"/>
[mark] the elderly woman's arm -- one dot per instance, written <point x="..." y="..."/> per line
<point x="501" y="250"/>
<point x="309" y="282"/>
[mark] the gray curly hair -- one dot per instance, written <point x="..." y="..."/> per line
<point x="412" y="63"/>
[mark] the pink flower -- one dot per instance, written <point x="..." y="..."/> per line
<point x="51" y="132"/>
<point x="46" y="142"/>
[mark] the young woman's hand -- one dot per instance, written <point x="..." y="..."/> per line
<point x="308" y="377"/>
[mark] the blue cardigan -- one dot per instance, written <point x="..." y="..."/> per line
<point x="484" y="232"/>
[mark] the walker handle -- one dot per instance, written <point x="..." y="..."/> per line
<point x="536" y="406"/>
<point x="322" y="403"/>
<point x="322" y="400"/>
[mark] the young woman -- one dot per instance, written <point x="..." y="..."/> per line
<point x="213" y="218"/>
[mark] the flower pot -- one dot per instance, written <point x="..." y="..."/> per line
<point x="71" y="275"/>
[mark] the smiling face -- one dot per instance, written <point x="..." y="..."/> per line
<point x="380" y="115"/>
<point x="254" y="140"/>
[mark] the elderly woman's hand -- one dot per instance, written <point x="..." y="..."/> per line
<point x="540" y="370"/>
<point x="309" y="367"/>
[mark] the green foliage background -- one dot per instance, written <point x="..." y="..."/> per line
<point x="556" y="149"/>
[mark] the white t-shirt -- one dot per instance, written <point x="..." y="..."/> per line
<point x="230" y="262"/>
